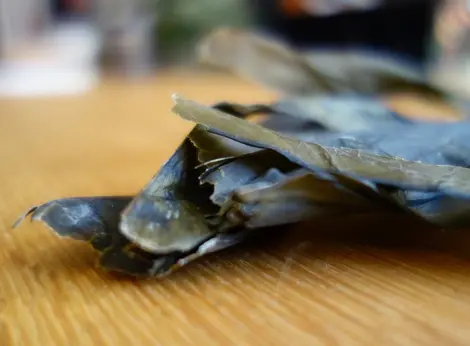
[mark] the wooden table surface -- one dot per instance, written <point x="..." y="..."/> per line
<point x="299" y="288"/>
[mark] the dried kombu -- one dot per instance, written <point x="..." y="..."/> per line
<point x="328" y="146"/>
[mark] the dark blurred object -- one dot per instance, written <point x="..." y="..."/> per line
<point x="68" y="9"/>
<point x="401" y="27"/>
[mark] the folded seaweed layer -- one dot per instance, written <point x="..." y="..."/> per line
<point x="299" y="116"/>
<point x="275" y="65"/>
<point x="427" y="162"/>
<point x="96" y="220"/>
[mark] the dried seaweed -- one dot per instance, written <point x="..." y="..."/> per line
<point x="96" y="220"/>
<point x="421" y="161"/>
<point x="327" y="147"/>
<point x="275" y="65"/>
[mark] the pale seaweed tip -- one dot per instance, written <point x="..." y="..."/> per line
<point x="176" y="98"/>
<point x="24" y="216"/>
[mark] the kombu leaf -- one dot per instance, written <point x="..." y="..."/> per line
<point x="169" y="213"/>
<point x="172" y="211"/>
<point x="306" y="185"/>
<point x="340" y="113"/>
<point x="279" y="198"/>
<point x="90" y="219"/>
<point x="213" y="147"/>
<point x="253" y="170"/>
<point x="95" y="220"/>
<point x="276" y="65"/>
<point x="417" y="141"/>
<point x="243" y="170"/>
<point x="265" y="62"/>
<point x="305" y="116"/>
<point x="358" y="164"/>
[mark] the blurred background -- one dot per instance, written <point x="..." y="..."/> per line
<point x="60" y="46"/>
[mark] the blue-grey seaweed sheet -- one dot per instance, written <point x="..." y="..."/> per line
<point x="297" y="164"/>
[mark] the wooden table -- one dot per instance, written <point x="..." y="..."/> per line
<point x="300" y="288"/>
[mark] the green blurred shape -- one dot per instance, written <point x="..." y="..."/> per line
<point x="182" y="23"/>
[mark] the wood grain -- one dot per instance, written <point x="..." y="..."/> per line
<point x="296" y="287"/>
